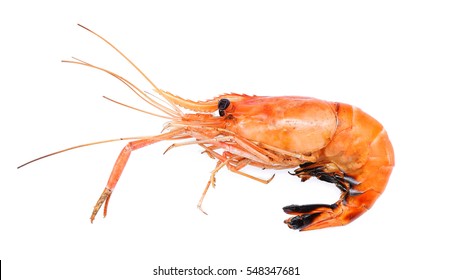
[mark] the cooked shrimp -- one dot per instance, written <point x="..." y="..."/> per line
<point x="332" y="141"/>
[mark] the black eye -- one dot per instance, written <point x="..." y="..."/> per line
<point x="222" y="105"/>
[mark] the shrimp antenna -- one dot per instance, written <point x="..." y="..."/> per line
<point x="162" y="93"/>
<point x="134" y="108"/>
<point x="123" y="55"/>
<point x="80" y="146"/>
<point x="135" y="89"/>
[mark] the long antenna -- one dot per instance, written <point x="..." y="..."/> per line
<point x="172" y="113"/>
<point x="123" y="55"/>
<point x="80" y="146"/>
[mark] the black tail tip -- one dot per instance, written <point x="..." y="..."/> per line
<point x="301" y="222"/>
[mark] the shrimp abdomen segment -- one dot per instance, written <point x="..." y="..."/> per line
<point x="358" y="160"/>
<point x="361" y="149"/>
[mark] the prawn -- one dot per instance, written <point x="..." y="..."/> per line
<point x="334" y="142"/>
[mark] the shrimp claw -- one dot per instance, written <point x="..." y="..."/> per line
<point x="104" y="197"/>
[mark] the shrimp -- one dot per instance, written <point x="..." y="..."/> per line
<point x="334" y="142"/>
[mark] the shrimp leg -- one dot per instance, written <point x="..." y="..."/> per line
<point x="120" y="165"/>
<point x="224" y="161"/>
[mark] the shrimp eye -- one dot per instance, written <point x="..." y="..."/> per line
<point x="222" y="105"/>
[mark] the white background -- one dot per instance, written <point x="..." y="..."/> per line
<point x="391" y="58"/>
